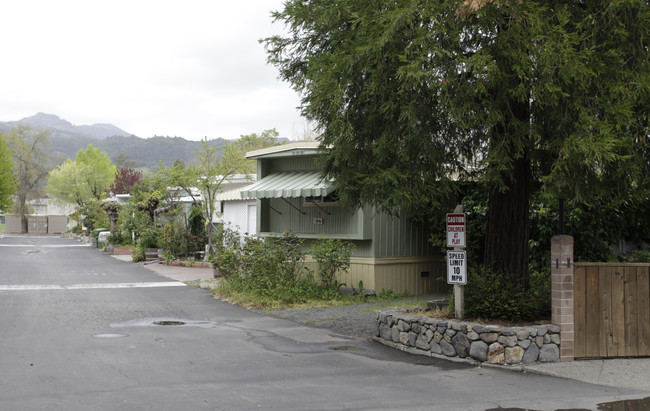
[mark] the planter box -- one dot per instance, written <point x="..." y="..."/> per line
<point x="122" y="250"/>
<point x="197" y="264"/>
<point x="151" y="253"/>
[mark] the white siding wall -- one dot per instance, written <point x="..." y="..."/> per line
<point x="47" y="206"/>
<point x="238" y="214"/>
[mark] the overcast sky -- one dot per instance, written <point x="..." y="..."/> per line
<point x="189" y="68"/>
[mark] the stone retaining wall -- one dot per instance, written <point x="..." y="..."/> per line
<point x="452" y="338"/>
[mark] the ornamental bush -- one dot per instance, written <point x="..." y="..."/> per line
<point x="270" y="268"/>
<point x="119" y="238"/>
<point x="272" y="271"/>
<point x="138" y="253"/>
<point x="635" y="256"/>
<point x="495" y="296"/>
<point x="226" y="251"/>
<point x="333" y="257"/>
<point x="151" y="237"/>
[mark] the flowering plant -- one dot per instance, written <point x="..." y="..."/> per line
<point x="168" y="256"/>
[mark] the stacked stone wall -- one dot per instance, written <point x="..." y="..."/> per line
<point x="482" y="343"/>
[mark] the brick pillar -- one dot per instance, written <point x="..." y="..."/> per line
<point x="562" y="292"/>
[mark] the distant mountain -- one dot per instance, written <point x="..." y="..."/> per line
<point x="62" y="128"/>
<point x="144" y="152"/>
<point x="67" y="139"/>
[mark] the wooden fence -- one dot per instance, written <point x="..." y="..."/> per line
<point x="611" y="310"/>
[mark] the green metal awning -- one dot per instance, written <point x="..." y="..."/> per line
<point x="289" y="184"/>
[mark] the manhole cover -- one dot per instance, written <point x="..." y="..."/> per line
<point x="169" y="323"/>
<point x="109" y="335"/>
<point x="164" y="321"/>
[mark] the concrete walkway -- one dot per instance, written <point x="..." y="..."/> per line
<point x="617" y="372"/>
<point x="622" y="372"/>
<point x="204" y="277"/>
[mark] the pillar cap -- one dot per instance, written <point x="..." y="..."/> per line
<point x="562" y="239"/>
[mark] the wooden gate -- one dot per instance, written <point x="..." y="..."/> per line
<point x="611" y="310"/>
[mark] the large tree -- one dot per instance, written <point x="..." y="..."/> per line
<point x="31" y="165"/>
<point x="7" y="179"/>
<point x="413" y="96"/>
<point x="83" y="182"/>
<point x="125" y="179"/>
<point x="67" y="184"/>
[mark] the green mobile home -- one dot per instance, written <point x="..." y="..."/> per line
<point x="392" y="252"/>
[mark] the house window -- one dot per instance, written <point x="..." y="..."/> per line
<point x="330" y="200"/>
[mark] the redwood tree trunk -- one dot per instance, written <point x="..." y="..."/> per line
<point x="507" y="233"/>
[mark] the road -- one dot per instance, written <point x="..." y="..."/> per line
<point x="81" y="331"/>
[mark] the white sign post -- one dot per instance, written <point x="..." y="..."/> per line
<point x="457" y="259"/>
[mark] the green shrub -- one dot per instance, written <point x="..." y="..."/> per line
<point x="597" y="227"/>
<point x="269" y="271"/>
<point x="333" y="257"/>
<point x="495" y="296"/>
<point x="274" y="268"/>
<point x="291" y="257"/>
<point x="174" y="237"/>
<point x="636" y="256"/>
<point x="168" y="256"/>
<point x="226" y="251"/>
<point x="196" y="222"/>
<point x="138" y="253"/>
<point x="540" y="292"/>
<point x="178" y="238"/>
<point x="119" y="238"/>
<point x="151" y="238"/>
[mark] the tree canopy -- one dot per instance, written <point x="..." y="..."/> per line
<point x="67" y="183"/>
<point x="125" y="178"/>
<point x="414" y="96"/>
<point x="83" y="182"/>
<point x="100" y="171"/>
<point x="7" y="179"/>
<point x="31" y="165"/>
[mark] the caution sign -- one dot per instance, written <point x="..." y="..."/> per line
<point x="456" y="267"/>
<point x="455" y="230"/>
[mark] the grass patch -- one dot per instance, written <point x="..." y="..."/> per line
<point x="254" y="300"/>
<point x="443" y="313"/>
<point x="321" y="320"/>
<point x="400" y="303"/>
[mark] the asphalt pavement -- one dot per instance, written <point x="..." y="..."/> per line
<point x="631" y="373"/>
<point x="82" y="330"/>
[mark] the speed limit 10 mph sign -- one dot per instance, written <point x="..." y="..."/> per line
<point x="456" y="267"/>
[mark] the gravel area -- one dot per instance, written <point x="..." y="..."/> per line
<point x="357" y="320"/>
